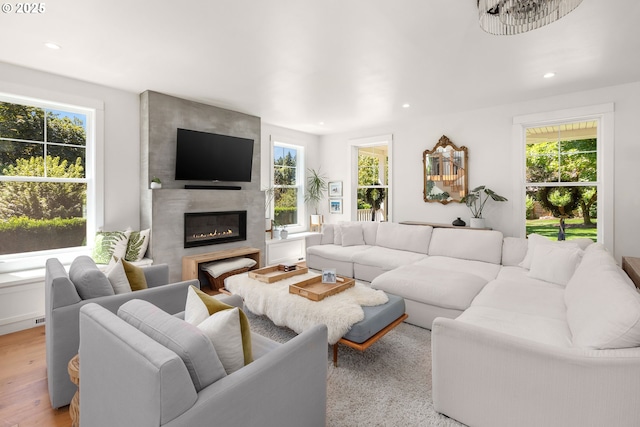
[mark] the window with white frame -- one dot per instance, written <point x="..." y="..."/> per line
<point x="567" y="173"/>
<point x="288" y="179"/>
<point x="371" y="163"/>
<point x="45" y="176"/>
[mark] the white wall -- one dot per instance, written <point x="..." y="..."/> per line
<point x="493" y="160"/>
<point x="22" y="293"/>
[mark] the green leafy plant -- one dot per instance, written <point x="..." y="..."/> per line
<point x="477" y="198"/>
<point x="156" y="179"/>
<point x="316" y="187"/>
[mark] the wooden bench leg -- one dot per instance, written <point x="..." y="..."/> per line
<point x="335" y="355"/>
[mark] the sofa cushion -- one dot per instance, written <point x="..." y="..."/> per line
<point x="545" y="330"/>
<point x="327" y="234"/>
<point x="336" y="252"/>
<point x="352" y="234"/>
<point x="184" y="339"/>
<point x="536" y="239"/>
<point x="370" y="231"/>
<point x="476" y="245"/>
<point x="603" y="311"/>
<point x="385" y="258"/>
<point x="555" y="264"/>
<point x="485" y="270"/>
<point x="523" y="297"/>
<point x="337" y="235"/>
<point x="428" y="285"/>
<point x="521" y="276"/>
<point x="514" y="250"/>
<point x="89" y="281"/>
<point x="414" y="238"/>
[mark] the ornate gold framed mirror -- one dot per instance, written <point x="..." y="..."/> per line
<point x="445" y="169"/>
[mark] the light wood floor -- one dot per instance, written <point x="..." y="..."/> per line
<point x="24" y="399"/>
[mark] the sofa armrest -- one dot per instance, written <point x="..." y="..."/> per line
<point x="286" y="387"/>
<point x="156" y="275"/>
<point x="232" y="300"/>
<point x="313" y="240"/>
<point x="476" y="370"/>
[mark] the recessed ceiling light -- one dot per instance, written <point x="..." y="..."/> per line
<point x="321" y="123"/>
<point x="52" y="45"/>
<point x="406" y="105"/>
<point x="549" y="75"/>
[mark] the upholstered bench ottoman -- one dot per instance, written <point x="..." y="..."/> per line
<point x="378" y="320"/>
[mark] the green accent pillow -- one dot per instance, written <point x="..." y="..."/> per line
<point x="109" y="244"/>
<point x="214" y="305"/>
<point x="135" y="275"/>
<point x="137" y="245"/>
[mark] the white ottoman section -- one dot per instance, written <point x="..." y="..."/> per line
<point x="430" y="292"/>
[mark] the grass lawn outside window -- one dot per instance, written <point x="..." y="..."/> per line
<point x="574" y="228"/>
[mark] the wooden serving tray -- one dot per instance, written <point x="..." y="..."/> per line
<point x="315" y="290"/>
<point x="276" y="272"/>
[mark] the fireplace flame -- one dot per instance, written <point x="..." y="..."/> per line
<point x="212" y="234"/>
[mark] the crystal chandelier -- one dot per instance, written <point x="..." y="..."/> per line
<point x="507" y="17"/>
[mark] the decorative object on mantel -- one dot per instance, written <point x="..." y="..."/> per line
<point x="458" y="222"/>
<point x="445" y="172"/>
<point x="509" y="17"/>
<point x="475" y="202"/>
<point x="156" y="183"/>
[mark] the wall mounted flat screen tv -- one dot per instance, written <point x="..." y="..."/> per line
<point x="204" y="156"/>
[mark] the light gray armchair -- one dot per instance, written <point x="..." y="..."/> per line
<point x="62" y="308"/>
<point x="129" y="379"/>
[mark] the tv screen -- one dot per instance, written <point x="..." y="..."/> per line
<point x="203" y="156"/>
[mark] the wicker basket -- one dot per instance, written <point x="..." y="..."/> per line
<point x="217" y="283"/>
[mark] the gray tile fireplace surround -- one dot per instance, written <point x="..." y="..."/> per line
<point x="163" y="210"/>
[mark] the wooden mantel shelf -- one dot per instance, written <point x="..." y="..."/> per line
<point x="191" y="263"/>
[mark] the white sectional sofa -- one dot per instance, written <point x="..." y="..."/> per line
<point x="525" y="332"/>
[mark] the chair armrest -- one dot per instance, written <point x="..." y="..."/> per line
<point x="286" y="387"/>
<point x="313" y="239"/>
<point x="232" y="300"/>
<point x="534" y="384"/>
<point x="156" y="275"/>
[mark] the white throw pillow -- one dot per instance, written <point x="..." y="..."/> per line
<point x="109" y="244"/>
<point x="223" y="329"/>
<point x="195" y="311"/>
<point x="337" y="235"/>
<point x="352" y="234"/>
<point x="535" y="240"/>
<point x="555" y="264"/>
<point x="216" y="268"/>
<point x="118" y="278"/>
<point x="327" y="234"/>
<point x="137" y="245"/>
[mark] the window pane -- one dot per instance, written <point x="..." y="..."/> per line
<point x="579" y="167"/>
<point x="542" y="162"/>
<point x="546" y="206"/>
<point x="66" y="127"/>
<point x="284" y="165"/>
<point x="37" y="216"/>
<point x="21" y="158"/>
<point x="21" y="122"/>
<point x="286" y="206"/>
<point x="65" y="161"/>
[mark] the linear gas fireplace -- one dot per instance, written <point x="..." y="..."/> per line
<point x="212" y="228"/>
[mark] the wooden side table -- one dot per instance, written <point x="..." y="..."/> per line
<point x="631" y="266"/>
<point x="74" y="374"/>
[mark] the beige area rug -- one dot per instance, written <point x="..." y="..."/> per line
<point x="387" y="385"/>
<point x="339" y="312"/>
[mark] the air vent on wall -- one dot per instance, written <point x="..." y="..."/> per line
<point x="39" y="320"/>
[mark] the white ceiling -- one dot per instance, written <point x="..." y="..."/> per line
<point x="348" y="63"/>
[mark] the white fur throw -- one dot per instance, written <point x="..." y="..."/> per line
<point x="339" y="312"/>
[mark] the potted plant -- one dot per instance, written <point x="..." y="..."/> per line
<point x="475" y="201"/>
<point x="316" y="187"/>
<point x="156" y="183"/>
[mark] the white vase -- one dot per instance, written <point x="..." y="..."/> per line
<point x="477" y="223"/>
<point x="284" y="233"/>
<point x="276" y="233"/>
<point x="156" y="185"/>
